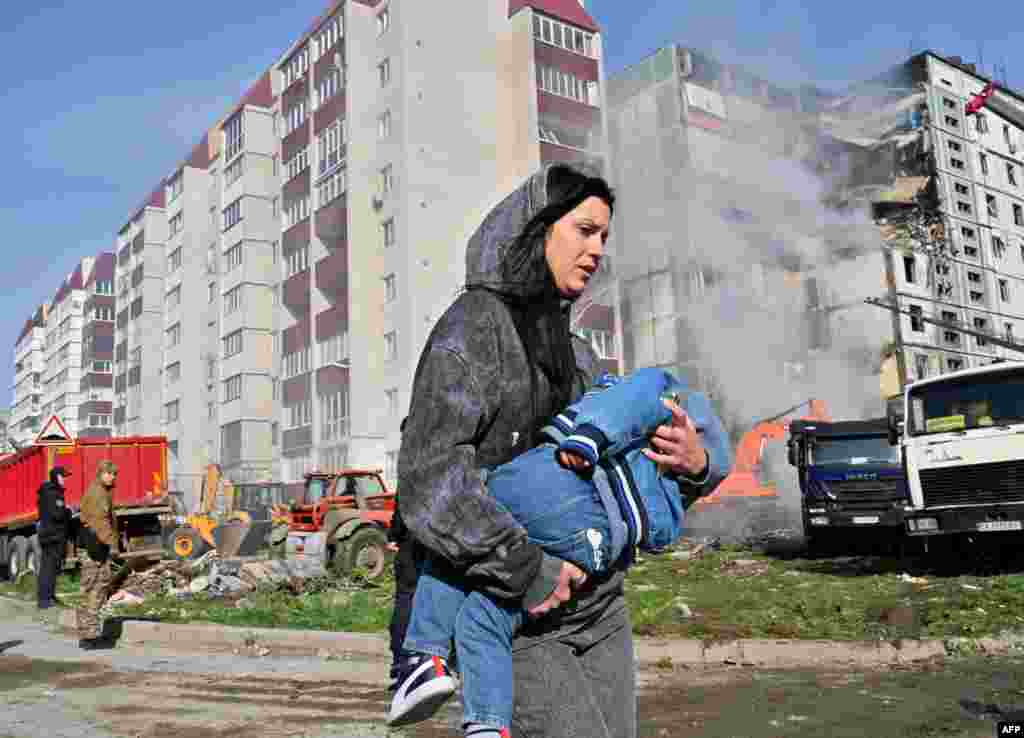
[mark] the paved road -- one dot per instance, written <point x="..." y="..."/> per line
<point x="50" y="688"/>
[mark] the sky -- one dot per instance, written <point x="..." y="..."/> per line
<point x="101" y="100"/>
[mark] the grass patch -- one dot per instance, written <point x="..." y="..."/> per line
<point x="739" y="594"/>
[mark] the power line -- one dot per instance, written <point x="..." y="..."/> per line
<point x="957" y="305"/>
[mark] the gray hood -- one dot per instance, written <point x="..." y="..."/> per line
<point x="489" y="245"/>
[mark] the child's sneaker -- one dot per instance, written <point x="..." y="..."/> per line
<point x="424" y="684"/>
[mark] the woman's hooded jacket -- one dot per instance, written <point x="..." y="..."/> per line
<point x="471" y="409"/>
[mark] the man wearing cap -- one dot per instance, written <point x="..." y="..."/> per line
<point x="52" y="533"/>
<point x="98" y="537"/>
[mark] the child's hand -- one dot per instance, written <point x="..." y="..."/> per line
<point x="573" y="461"/>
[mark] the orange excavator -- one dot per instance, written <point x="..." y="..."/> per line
<point x="745" y="481"/>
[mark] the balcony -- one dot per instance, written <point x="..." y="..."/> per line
<point x="332" y="276"/>
<point x="332" y="224"/>
<point x="295" y="439"/>
<point x="295" y="292"/>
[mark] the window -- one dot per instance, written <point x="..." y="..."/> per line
<point x="909" y="269"/>
<point x="992" y="206"/>
<point x="981" y="325"/>
<point x="389" y="288"/>
<point x="298" y="163"/>
<point x="297" y="260"/>
<point x="233" y="388"/>
<point x="956" y="163"/>
<point x="1011" y="175"/>
<point x="998" y="247"/>
<point x="952" y="122"/>
<point x="563" y="35"/>
<point x="963" y="207"/>
<point x="388" y="227"/>
<point x="101" y="367"/>
<point x="329" y="142"/>
<point x="173" y="298"/>
<point x="173" y="372"/>
<point x="296" y="210"/>
<point x="916" y="324"/>
<point x="391" y="398"/>
<point x="175" y="187"/>
<point x="977" y="296"/>
<point x="949" y="103"/>
<point x="391" y="466"/>
<point x="176" y="222"/>
<point x="234" y="140"/>
<point x="1009" y="331"/>
<point x="296" y="363"/>
<point x="329" y="86"/>
<point x="232" y="344"/>
<point x="383" y="21"/>
<point x="211" y="412"/>
<point x="951" y="337"/>
<point x="234" y="171"/>
<point x="564" y="84"/>
<point x="233" y="214"/>
<point x="300" y="414"/>
<point x="983" y="159"/>
<point x="296" y="67"/>
<point x="967" y="232"/>
<point x="212" y="287"/>
<point x="1006" y="134"/>
<point x="602" y="341"/>
<point x="295" y="116"/>
<point x="974" y="277"/>
<point x="971" y="251"/>
<point x="384" y="72"/>
<point x="335" y="349"/>
<point x="104" y="287"/>
<point x="955" y="364"/>
<point x="328" y="36"/>
<point x="981" y="123"/>
<point x="1018" y="215"/>
<point x="334" y="416"/>
<point x="953" y="145"/>
<point x="233" y="257"/>
<point x="233" y="300"/>
<point x="331" y="188"/>
<point x="961" y="189"/>
<point x="1004" y="290"/>
<point x="174" y="335"/>
<point x="384" y="124"/>
<point x="387" y="181"/>
<point x="390" y="346"/>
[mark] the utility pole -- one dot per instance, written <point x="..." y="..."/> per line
<point x="897" y="324"/>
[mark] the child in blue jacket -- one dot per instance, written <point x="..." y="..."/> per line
<point x="587" y="495"/>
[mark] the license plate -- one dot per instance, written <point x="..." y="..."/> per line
<point x="865" y="519"/>
<point x="998" y="525"/>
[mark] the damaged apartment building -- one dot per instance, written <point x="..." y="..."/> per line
<point x="720" y="224"/>
<point x="945" y="188"/>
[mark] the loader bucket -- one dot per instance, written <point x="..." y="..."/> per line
<point x="229" y="538"/>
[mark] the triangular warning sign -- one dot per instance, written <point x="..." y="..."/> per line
<point x="54" y="434"/>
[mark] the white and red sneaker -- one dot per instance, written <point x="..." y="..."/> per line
<point x="424" y="684"/>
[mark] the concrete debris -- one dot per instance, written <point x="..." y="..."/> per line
<point x="745" y="567"/>
<point x="124" y="597"/>
<point x="971" y="587"/>
<point x="199" y="584"/>
<point x="912" y="580"/>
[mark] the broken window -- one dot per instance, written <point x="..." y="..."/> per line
<point x="964" y="207"/>
<point x="1009" y="331"/>
<point x="984" y="163"/>
<point x="1004" y="290"/>
<point x="910" y="269"/>
<point x="956" y="163"/>
<point x="998" y="247"/>
<point x="1006" y="134"/>
<point x="977" y="296"/>
<point x="916" y="324"/>
<point x="952" y="122"/>
<point x="1011" y="175"/>
<point x="949" y="316"/>
<point x="967" y="232"/>
<point x="982" y="123"/>
<point x="974" y="277"/>
<point x="955" y="364"/>
<point x="952" y="337"/>
<point x="961" y="189"/>
<point x="949" y="103"/>
<point x="981" y="325"/>
<point x="971" y="251"/>
<point x="1018" y="215"/>
<point x="992" y="206"/>
<point x="953" y="145"/>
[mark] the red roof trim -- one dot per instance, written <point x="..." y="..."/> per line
<point x="314" y="27"/>
<point x="569" y="11"/>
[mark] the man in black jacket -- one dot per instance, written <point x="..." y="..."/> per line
<point x="52" y="532"/>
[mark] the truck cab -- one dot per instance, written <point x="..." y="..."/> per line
<point x="850" y="477"/>
<point x="962" y="438"/>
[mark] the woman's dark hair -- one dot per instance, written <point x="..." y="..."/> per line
<point x="532" y="297"/>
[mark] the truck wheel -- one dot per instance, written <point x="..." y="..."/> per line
<point x="366" y="549"/>
<point x="3" y="557"/>
<point x="33" y="557"/>
<point x="187" y="545"/>
<point x="17" y="553"/>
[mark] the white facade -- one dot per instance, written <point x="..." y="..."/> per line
<point x="29" y="366"/>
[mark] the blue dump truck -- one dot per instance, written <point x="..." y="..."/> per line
<point x="851" y="482"/>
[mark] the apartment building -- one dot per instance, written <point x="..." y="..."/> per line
<point x="96" y="389"/>
<point x="273" y="293"/>
<point x="388" y="169"/>
<point x="5" y="418"/>
<point x="947" y="191"/>
<point x="703" y="157"/>
<point x="24" y="422"/>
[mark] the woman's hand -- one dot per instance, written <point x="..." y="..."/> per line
<point x="681" y="450"/>
<point x="571" y="576"/>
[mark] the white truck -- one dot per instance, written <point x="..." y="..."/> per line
<point x="962" y="448"/>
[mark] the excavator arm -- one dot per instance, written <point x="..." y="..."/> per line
<point x="995" y="100"/>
